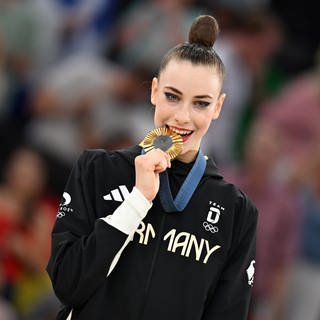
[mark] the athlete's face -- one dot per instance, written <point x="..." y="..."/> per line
<point x="186" y="99"/>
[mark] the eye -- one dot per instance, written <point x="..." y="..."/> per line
<point x="202" y="104"/>
<point x="171" y="97"/>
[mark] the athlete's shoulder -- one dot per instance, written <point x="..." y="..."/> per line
<point x="95" y="156"/>
<point x="91" y="155"/>
<point x="244" y="200"/>
<point x="246" y="211"/>
<point x="244" y="207"/>
<point x="237" y="194"/>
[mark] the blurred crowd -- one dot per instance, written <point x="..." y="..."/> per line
<point x="76" y="74"/>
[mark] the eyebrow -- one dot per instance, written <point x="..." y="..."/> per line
<point x="205" y="96"/>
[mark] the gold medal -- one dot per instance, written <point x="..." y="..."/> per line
<point x="165" y="139"/>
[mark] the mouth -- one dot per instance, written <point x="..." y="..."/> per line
<point x="184" y="133"/>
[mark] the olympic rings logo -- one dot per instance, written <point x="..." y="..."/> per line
<point x="209" y="227"/>
<point x="60" y="214"/>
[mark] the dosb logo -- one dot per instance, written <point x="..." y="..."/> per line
<point x="213" y="217"/>
<point x="63" y="207"/>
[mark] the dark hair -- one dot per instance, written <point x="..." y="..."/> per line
<point x="199" y="49"/>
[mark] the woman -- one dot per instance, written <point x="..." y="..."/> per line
<point x="122" y="254"/>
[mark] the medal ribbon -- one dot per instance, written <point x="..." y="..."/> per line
<point x="187" y="189"/>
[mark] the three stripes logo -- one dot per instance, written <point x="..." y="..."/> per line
<point x="118" y="194"/>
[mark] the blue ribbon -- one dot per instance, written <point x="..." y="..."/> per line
<point x="187" y="189"/>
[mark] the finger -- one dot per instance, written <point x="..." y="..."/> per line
<point x="159" y="170"/>
<point x="157" y="155"/>
<point x="161" y="166"/>
<point x="168" y="160"/>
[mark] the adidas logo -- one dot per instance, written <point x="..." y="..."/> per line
<point x="118" y="194"/>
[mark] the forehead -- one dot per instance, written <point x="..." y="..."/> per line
<point x="190" y="78"/>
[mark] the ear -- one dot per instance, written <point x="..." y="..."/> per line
<point x="154" y="90"/>
<point x="218" y="106"/>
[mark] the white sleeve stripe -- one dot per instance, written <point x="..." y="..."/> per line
<point x="69" y="316"/>
<point x="129" y="214"/>
<point x="117" y="256"/>
<point x="127" y="218"/>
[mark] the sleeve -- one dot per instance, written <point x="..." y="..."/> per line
<point x="230" y="298"/>
<point x="84" y="247"/>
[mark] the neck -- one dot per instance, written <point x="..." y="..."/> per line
<point x="188" y="156"/>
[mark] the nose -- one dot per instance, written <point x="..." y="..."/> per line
<point x="182" y="114"/>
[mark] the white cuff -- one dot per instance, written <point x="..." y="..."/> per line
<point x="130" y="213"/>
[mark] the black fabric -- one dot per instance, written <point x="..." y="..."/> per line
<point x="175" y="267"/>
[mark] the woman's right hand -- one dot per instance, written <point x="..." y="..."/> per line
<point x="148" y="167"/>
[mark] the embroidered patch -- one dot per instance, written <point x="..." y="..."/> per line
<point x="250" y="273"/>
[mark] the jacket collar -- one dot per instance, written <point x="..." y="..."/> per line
<point x="178" y="167"/>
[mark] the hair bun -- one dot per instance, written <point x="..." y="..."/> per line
<point x="204" y="30"/>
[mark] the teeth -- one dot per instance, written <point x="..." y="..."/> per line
<point x="181" y="132"/>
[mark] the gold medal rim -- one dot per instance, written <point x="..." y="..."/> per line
<point x="177" y="142"/>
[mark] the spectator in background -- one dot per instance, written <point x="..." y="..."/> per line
<point x="303" y="302"/>
<point x="6" y="309"/>
<point x="246" y="47"/>
<point x="301" y="20"/>
<point x="18" y="48"/>
<point x="141" y="36"/>
<point x="62" y="105"/>
<point x="234" y="5"/>
<point x="48" y="22"/>
<point x="85" y="24"/>
<point x="18" y="29"/>
<point x="26" y="217"/>
<point x="3" y="79"/>
<point x="277" y="224"/>
<point x="294" y="113"/>
<point x="79" y="104"/>
<point x="292" y="117"/>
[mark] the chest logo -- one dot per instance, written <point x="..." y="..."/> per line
<point x="184" y="243"/>
<point x="213" y="217"/>
<point x="119" y="194"/>
<point x="250" y="273"/>
<point x="66" y="199"/>
<point x="64" y="205"/>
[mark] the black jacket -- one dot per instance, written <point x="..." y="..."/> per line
<point x="195" y="264"/>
